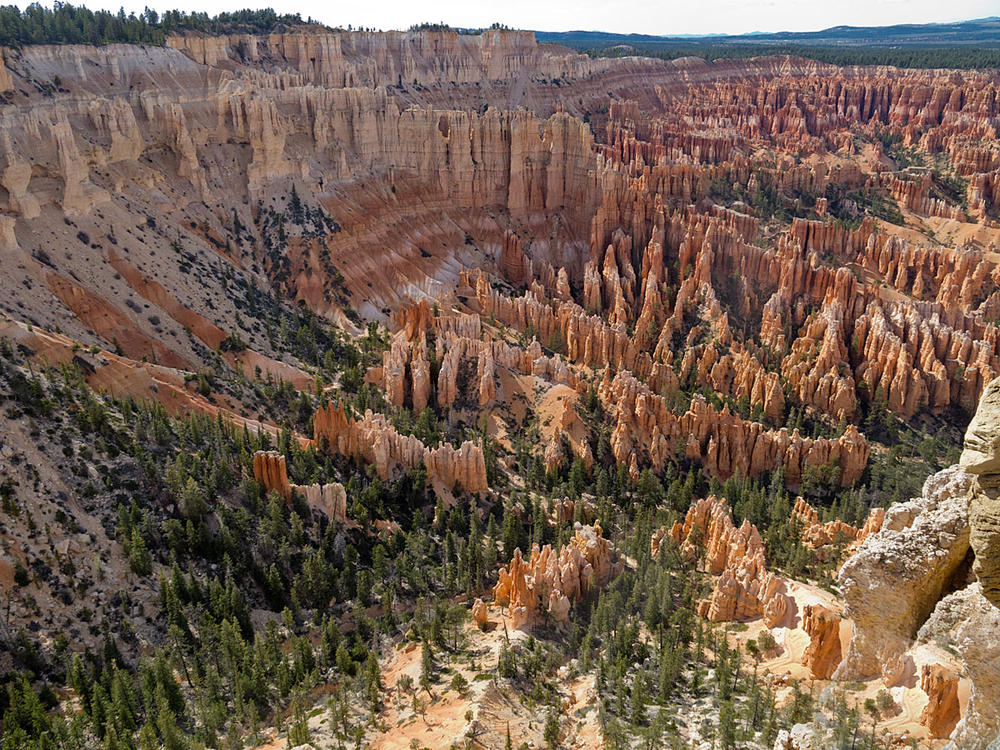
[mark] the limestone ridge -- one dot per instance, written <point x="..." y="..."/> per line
<point x="908" y="586"/>
<point x="981" y="457"/>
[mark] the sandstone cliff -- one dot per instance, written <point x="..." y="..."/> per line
<point x="981" y="457"/>
<point x="897" y="576"/>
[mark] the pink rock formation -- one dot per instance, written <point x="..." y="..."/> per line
<point x="942" y="711"/>
<point x="816" y="534"/>
<point x="823" y="654"/>
<point x="545" y="585"/>
<point x="269" y="469"/>
<point x="514" y="264"/>
<point x="329" y="500"/>
<point x="745" y="588"/>
<point x="723" y="443"/>
<point x="374" y="440"/>
<point x="872" y="525"/>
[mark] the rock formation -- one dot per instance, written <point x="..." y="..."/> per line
<point x="941" y="713"/>
<point x="545" y="586"/>
<point x="575" y="222"/>
<point x="822" y="655"/>
<point x="479" y="613"/>
<point x="329" y="500"/>
<point x="374" y="440"/>
<point x="896" y="577"/>
<point x="981" y="457"/>
<point x="967" y="624"/>
<point x="723" y="443"/>
<point x="745" y="588"/>
<point x="818" y="535"/>
<point x="909" y="585"/>
<point x="269" y="469"/>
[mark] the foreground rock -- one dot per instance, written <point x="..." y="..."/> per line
<point x="982" y="458"/>
<point x="967" y="624"/>
<point x="910" y="584"/>
<point x="897" y="576"/>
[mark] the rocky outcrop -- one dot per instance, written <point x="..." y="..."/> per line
<point x="942" y="711"/>
<point x="480" y="616"/>
<point x="723" y="443"/>
<point x="896" y="577"/>
<point x="818" y="365"/>
<point x="372" y="59"/>
<point x="656" y="541"/>
<point x="269" y="469"/>
<point x="968" y="625"/>
<point x="374" y="440"/>
<point x="543" y="587"/>
<point x="981" y="458"/>
<point x="818" y="535"/>
<point x="822" y="655"/>
<point x="738" y="374"/>
<point x="915" y="195"/>
<point x="802" y="737"/>
<point x="872" y="525"/>
<point x="514" y="264"/>
<point x="745" y="588"/>
<point x="328" y="500"/>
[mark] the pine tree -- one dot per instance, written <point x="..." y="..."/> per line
<point x="139" y="559"/>
<point x="426" y="667"/>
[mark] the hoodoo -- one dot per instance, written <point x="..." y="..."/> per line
<point x="447" y="387"/>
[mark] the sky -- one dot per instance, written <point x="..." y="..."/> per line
<point x="623" y="16"/>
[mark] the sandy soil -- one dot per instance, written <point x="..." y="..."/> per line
<point x="792" y="640"/>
